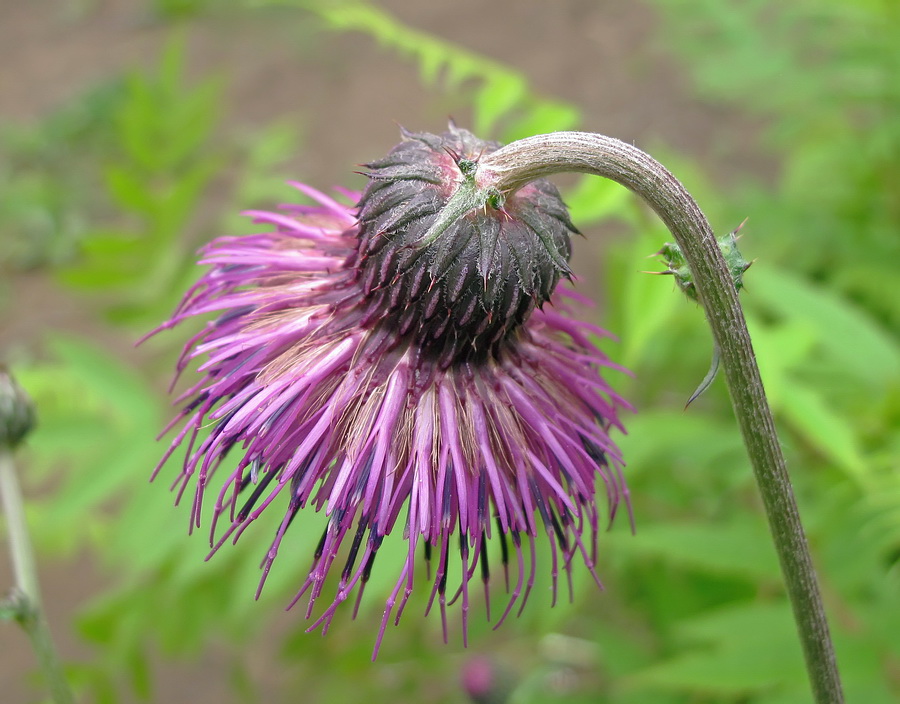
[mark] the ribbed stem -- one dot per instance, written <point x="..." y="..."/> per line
<point x="516" y="164"/>
<point x="27" y="597"/>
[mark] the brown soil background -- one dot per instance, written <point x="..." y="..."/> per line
<point x="349" y="95"/>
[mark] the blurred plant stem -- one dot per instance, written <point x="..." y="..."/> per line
<point x="25" y="601"/>
<point x="514" y="165"/>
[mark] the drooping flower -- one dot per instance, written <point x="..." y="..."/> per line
<point x="406" y="364"/>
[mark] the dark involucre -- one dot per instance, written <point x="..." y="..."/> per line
<point x="467" y="289"/>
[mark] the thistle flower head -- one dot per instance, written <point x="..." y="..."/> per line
<point x="392" y="364"/>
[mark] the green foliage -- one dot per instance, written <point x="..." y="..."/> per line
<point x="94" y="411"/>
<point x="821" y="318"/>
<point x="739" y="546"/>
<point x="824" y="77"/>
<point x="180" y="9"/>
<point x="167" y="161"/>
<point x="48" y="177"/>
<point x="693" y="609"/>
<point x="501" y="96"/>
<point x="142" y="184"/>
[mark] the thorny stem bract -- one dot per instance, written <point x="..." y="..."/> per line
<point x="514" y="165"/>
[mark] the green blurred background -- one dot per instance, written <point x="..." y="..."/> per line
<point x="133" y="131"/>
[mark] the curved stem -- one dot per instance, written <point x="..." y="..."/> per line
<point x="27" y="598"/>
<point x="514" y="165"/>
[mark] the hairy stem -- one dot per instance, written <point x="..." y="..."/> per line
<point x="514" y="165"/>
<point x="27" y="597"/>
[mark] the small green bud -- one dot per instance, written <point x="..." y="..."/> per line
<point x="495" y="199"/>
<point x="677" y="265"/>
<point x="467" y="167"/>
<point x="16" y="412"/>
<point x="18" y="607"/>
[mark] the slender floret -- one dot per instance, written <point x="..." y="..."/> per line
<point x="405" y="364"/>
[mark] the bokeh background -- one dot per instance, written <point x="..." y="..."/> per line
<point x="132" y="131"/>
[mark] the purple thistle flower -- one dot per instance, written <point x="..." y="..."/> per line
<point x="395" y="365"/>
